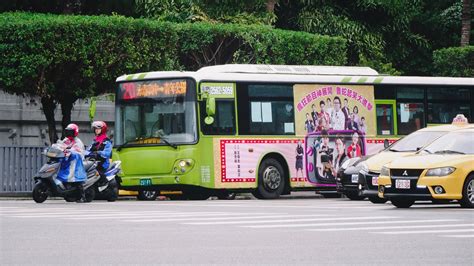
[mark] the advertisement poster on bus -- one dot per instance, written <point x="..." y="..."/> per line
<point x="335" y="120"/>
<point x="237" y="160"/>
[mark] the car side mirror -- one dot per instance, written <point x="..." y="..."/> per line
<point x="385" y="143"/>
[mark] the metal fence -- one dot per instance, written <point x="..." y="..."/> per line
<point x="18" y="164"/>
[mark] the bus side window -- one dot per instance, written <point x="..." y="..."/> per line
<point x="224" y="119"/>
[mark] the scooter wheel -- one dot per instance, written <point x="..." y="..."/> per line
<point x="40" y="192"/>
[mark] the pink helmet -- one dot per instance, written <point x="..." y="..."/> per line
<point x="71" y="130"/>
<point x="101" y="125"/>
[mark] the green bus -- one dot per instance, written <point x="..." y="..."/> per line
<point x="267" y="129"/>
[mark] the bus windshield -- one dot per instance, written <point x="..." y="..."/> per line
<point x="156" y="112"/>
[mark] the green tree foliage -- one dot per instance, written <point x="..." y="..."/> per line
<point x="203" y="44"/>
<point x="380" y="33"/>
<point x="454" y="61"/>
<point x="77" y="7"/>
<point x="63" y="58"/>
<point x="214" y="11"/>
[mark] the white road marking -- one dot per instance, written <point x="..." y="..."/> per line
<point x="296" y="220"/>
<point x="459" y="236"/>
<point x="345" y="223"/>
<point x="157" y="217"/>
<point x="424" y="232"/>
<point x="390" y="227"/>
<point x="227" y="218"/>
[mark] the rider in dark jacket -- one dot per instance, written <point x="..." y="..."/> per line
<point x="101" y="148"/>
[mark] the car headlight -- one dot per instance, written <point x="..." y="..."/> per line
<point x="363" y="167"/>
<point x="385" y="171"/>
<point x="442" y="171"/>
<point x="348" y="163"/>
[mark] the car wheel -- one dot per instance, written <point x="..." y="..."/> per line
<point x="147" y="195"/>
<point x="354" y="196"/>
<point x="402" y="203"/>
<point x="40" y="192"/>
<point x="377" y="200"/>
<point x="467" y="200"/>
<point x="271" y="180"/>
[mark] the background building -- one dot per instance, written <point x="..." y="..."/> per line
<point x="22" y="121"/>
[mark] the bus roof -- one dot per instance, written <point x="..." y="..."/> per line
<point x="289" y="69"/>
<point x="297" y="74"/>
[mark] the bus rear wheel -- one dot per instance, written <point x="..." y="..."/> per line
<point x="271" y="180"/>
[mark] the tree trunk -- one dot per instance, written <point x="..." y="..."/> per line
<point x="66" y="107"/>
<point x="48" y="109"/>
<point x="271" y="5"/>
<point x="466" y="22"/>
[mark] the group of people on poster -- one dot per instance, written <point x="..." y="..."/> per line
<point x="334" y="115"/>
<point x="327" y="154"/>
<point x="335" y="132"/>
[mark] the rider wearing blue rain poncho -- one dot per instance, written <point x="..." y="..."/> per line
<point x="101" y="148"/>
<point x="72" y="168"/>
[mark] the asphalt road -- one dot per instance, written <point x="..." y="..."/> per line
<point x="311" y="231"/>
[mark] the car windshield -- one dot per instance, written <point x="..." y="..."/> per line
<point x="452" y="143"/>
<point x="415" y="141"/>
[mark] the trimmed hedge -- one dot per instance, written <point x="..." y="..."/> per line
<point x="454" y="61"/>
<point x="59" y="55"/>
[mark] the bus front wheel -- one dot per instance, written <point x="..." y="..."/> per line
<point x="147" y="194"/>
<point x="271" y="180"/>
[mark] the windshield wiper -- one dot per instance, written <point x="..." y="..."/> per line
<point x="169" y="143"/>
<point x="449" y="151"/>
<point x="401" y="151"/>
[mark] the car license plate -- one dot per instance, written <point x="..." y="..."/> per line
<point x="375" y="181"/>
<point x="355" y="178"/>
<point x="145" y="182"/>
<point x="402" y="184"/>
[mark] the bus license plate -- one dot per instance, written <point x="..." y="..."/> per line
<point x="145" y="182"/>
<point x="375" y="181"/>
<point x="402" y="184"/>
<point x="355" y="178"/>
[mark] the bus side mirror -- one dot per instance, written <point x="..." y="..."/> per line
<point x="385" y="143"/>
<point x="210" y="110"/>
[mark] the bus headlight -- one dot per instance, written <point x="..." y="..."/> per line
<point x="442" y="171"/>
<point x="183" y="165"/>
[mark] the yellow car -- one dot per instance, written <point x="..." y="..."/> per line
<point x="443" y="170"/>
<point x="369" y="169"/>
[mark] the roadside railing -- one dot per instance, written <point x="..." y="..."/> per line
<point x="18" y="164"/>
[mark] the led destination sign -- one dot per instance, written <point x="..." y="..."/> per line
<point x="152" y="89"/>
